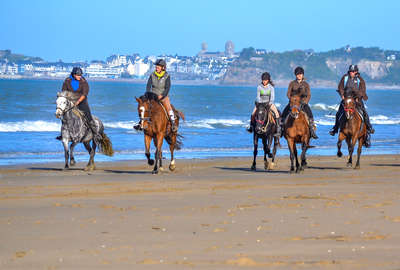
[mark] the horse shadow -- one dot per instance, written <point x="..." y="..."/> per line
<point x="54" y="169"/>
<point x="127" y="172"/>
<point x="385" y="165"/>
<point x="250" y="170"/>
<point x="326" y="168"/>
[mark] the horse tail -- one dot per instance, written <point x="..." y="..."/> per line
<point x="106" y="145"/>
<point x="180" y="114"/>
<point x="178" y="141"/>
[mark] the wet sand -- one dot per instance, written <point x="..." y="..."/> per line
<point x="208" y="214"/>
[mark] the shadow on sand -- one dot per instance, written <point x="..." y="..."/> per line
<point x="259" y="170"/>
<point x="54" y="169"/>
<point x="127" y="172"/>
<point x="386" y="165"/>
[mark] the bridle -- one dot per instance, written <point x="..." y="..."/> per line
<point x="69" y="107"/>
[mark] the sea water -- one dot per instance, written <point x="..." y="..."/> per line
<point x="216" y="117"/>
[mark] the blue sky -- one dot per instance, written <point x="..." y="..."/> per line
<point x="87" y="30"/>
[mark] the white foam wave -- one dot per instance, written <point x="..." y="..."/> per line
<point x="120" y="124"/>
<point x="384" y="120"/>
<point x="211" y="123"/>
<point x="30" y="126"/>
<point x="325" y="107"/>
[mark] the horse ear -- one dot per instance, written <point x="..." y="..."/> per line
<point x="138" y="100"/>
<point x="58" y="94"/>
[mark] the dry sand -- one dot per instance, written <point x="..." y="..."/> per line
<point x="208" y="214"/>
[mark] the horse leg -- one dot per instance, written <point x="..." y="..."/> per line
<point x="71" y="158"/>
<point x="276" y="144"/>
<point x="290" y="143"/>
<point x="255" y="143"/>
<point x="350" y="146"/>
<point x="266" y="150"/>
<point x="89" y="166"/>
<point x="147" y="141"/>
<point x="303" y="156"/>
<point x="295" y="156"/>
<point x="158" y="143"/>
<point x="66" y="153"/>
<point x="359" y="149"/>
<point x="341" y="137"/>
<point x="171" y="149"/>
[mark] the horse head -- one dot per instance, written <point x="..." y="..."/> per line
<point x="349" y="105"/>
<point x="143" y="111"/>
<point x="295" y="106"/>
<point x="63" y="104"/>
<point x="261" y="119"/>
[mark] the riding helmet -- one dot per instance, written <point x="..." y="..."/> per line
<point x="161" y="62"/>
<point x="298" y="70"/>
<point x="77" y="71"/>
<point x="353" y="68"/>
<point x="265" y="76"/>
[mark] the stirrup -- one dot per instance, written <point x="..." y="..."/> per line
<point x="137" y="127"/>
<point x="332" y="132"/>
<point x="59" y="137"/>
<point x="249" y="129"/>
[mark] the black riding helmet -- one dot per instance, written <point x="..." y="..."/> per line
<point x="161" y="63"/>
<point x="353" y="68"/>
<point x="298" y="70"/>
<point x="77" y="71"/>
<point x="265" y="76"/>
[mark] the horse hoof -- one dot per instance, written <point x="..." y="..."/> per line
<point x="89" y="168"/>
<point x="271" y="166"/>
<point x="270" y="155"/>
<point x="172" y="167"/>
<point x="349" y="165"/>
<point x="266" y="165"/>
<point x="253" y="167"/>
<point x="161" y="169"/>
<point x="66" y="168"/>
<point x="339" y="154"/>
<point x="154" y="172"/>
<point x="150" y="162"/>
<point x="357" y="167"/>
<point x="291" y="171"/>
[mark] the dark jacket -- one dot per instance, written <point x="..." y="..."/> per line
<point x="361" y="91"/>
<point x="83" y="89"/>
<point x="301" y="89"/>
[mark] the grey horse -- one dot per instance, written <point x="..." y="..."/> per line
<point x="75" y="130"/>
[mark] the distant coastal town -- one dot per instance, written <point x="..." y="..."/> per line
<point x="378" y="66"/>
<point x="203" y="66"/>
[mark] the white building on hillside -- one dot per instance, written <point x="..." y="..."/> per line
<point x="99" y="70"/>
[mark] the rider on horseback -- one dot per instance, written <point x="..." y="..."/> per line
<point x="79" y="88"/>
<point x="266" y="95"/>
<point x="353" y="83"/>
<point x="159" y="84"/>
<point x="300" y="87"/>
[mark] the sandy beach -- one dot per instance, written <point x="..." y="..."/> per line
<point x="208" y="214"/>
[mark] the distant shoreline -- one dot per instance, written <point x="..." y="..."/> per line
<point x="278" y="83"/>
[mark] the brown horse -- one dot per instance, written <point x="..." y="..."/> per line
<point x="353" y="130"/>
<point x="297" y="131"/>
<point x="157" y="127"/>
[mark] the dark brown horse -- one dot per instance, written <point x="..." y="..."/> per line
<point x="353" y="130"/>
<point x="297" y="131"/>
<point x="157" y="127"/>
<point x="264" y="129"/>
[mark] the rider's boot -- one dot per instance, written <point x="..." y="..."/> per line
<point x="367" y="142"/>
<point x="59" y="137"/>
<point x="335" y="128"/>
<point x="174" y="128"/>
<point x="250" y="128"/>
<point x="138" y="126"/>
<point x="96" y="135"/>
<point x="312" y="128"/>
<point x="278" y="128"/>
<point x="370" y="129"/>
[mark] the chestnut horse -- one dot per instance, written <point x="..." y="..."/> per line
<point x="264" y="128"/>
<point x="296" y="131"/>
<point x="157" y="127"/>
<point x="353" y="130"/>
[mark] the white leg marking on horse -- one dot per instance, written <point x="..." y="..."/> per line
<point x="142" y="109"/>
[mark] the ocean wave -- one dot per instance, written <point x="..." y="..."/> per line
<point x="384" y="120"/>
<point x="29" y="126"/>
<point x="213" y="123"/>
<point x="325" y="107"/>
<point x="120" y="124"/>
